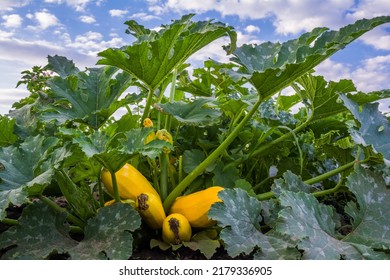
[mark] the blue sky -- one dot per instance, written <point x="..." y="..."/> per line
<point x="30" y="30"/>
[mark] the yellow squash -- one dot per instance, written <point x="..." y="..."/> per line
<point x="150" y="208"/>
<point x="130" y="182"/>
<point x="195" y="206"/>
<point x="176" y="229"/>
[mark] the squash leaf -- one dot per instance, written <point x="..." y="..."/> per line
<point x="371" y="217"/>
<point x="270" y="67"/>
<point x="40" y="232"/>
<point x="154" y="55"/>
<point x="239" y="215"/>
<point x="27" y="169"/>
<point x="108" y="235"/>
<point x="374" y="127"/>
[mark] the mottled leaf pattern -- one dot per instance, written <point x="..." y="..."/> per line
<point x="239" y="216"/>
<point x="371" y="218"/>
<point x="40" y="232"/>
<point x="374" y="126"/>
<point x="312" y="224"/>
<point x="108" y="235"/>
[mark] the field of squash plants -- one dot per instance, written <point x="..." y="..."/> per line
<point x="210" y="162"/>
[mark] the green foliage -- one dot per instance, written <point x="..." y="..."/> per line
<point x="306" y="184"/>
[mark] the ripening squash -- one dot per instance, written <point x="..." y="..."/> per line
<point x="150" y="207"/>
<point x="195" y="206"/>
<point x="176" y="229"/>
<point x="131" y="182"/>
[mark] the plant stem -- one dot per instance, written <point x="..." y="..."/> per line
<point x="100" y="189"/>
<point x="210" y="159"/>
<point x="280" y="139"/>
<point x="168" y="120"/>
<point x="57" y="208"/>
<point x="164" y="175"/>
<point x="270" y="194"/>
<point x="115" y="186"/>
<point x="10" y="222"/>
<point x="147" y="105"/>
<point x="13" y="222"/>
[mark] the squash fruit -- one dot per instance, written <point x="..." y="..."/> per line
<point x="150" y="208"/>
<point x="131" y="182"/>
<point x="176" y="229"/>
<point x="195" y="206"/>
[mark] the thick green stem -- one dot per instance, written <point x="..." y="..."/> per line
<point x="270" y="194"/>
<point x="100" y="189"/>
<point x="210" y="159"/>
<point x="57" y="208"/>
<point x="115" y="187"/>
<point x="10" y="222"/>
<point x="147" y="105"/>
<point x="13" y="222"/>
<point x="168" y="120"/>
<point x="164" y="175"/>
<point x="266" y="147"/>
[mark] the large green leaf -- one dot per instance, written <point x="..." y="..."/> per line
<point x="374" y="126"/>
<point x="108" y="235"/>
<point x="270" y="67"/>
<point x="40" y="232"/>
<point x="196" y="113"/>
<point x="313" y="225"/>
<point x="371" y="219"/>
<point x="61" y="65"/>
<point x="26" y="170"/>
<point x="154" y="56"/>
<point x="322" y="96"/>
<point x="240" y="215"/>
<point x="7" y="136"/>
<point x="90" y="97"/>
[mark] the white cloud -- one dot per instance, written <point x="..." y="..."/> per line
<point x="90" y="43"/>
<point x="252" y="29"/>
<point x="371" y="75"/>
<point x="117" y="13"/>
<point x="378" y="38"/>
<point x="144" y="16"/>
<point x="44" y="20"/>
<point x="369" y="9"/>
<point x="289" y="16"/>
<point x="78" y="5"/>
<point x="12" y="21"/>
<point x="9" y="4"/>
<point x="87" y="19"/>
<point x="5" y="34"/>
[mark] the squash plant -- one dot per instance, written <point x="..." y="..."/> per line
<point x="306" y="183"/>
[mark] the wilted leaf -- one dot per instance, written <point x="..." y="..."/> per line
<point x="205" y="241"/>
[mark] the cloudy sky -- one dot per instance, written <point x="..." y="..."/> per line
<point x="30" y="30"/>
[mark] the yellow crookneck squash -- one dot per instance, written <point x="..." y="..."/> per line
<point x="131" y="182"/>
<point x="176" y="229"/>
<point x="150" y="207"/>
<point x="195" y="206"/>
